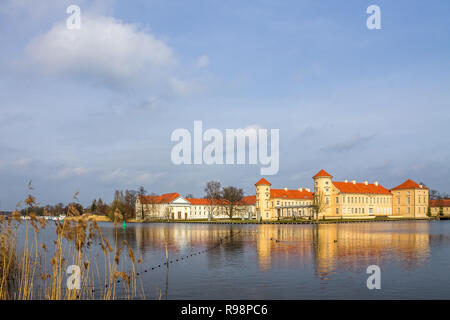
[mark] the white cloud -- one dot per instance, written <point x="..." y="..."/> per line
<point x="105" y="50"/>
<point x="71" y="172"/>
<point x="203" y="61"/>
<point x="22" y="163"/>
<point x="131" y="178"/>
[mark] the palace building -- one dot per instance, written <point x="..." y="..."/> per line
<point x="440" y="207"/>
<point x="341" y="199"/>
<point x="330" y="199"/>
<point x="173" y="206"/>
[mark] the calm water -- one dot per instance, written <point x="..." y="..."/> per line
<point x="290" y="261"/>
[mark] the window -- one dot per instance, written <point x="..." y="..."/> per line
<point x="337" y="199"/>
<point x="337" y="210"/>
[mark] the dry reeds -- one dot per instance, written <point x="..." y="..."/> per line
<point x="32" y="271"/>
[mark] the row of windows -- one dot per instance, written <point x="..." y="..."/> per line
<point x="363" y="210"/>
<point x="419" y="210"/>
<point x="409" y="200"/>
<point x="365" y="199"/>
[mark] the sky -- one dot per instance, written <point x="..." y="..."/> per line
<point x="92" y="110"/>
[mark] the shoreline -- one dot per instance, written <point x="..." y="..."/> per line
<point x="253" y="222"/>
<point x="291" y="222"/>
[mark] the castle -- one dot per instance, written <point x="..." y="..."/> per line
<point x="329" y="200"/>
<point x="346" y="200"/>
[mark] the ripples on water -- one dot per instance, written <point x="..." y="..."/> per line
<point x="289" y="261"/>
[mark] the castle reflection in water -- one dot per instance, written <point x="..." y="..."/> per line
<point x="324" y="247"/>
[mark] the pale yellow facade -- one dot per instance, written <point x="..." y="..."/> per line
<point x="345" y="200"/>
<point x="410" y="202"/>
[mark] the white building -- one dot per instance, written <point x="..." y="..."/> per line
<point x="172" y="206"/>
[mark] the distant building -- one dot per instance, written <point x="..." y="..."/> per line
<point x="440" y="207"/>
<point x="173" y="206"/>
<point x="346" y="199"/>
<point x="274" y="203"/>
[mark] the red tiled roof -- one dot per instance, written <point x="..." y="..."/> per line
<point x="440" y="203"/>
<point x="409" y="184"/>
<point x="164" y="198"/>
<point x="205" y="202"/>
<point x="263" y="182"/>
<point x="349" y="187"/>
<point x="322" y="173"/>
<point x="249" y="200"/>
<point x="290" y="194"/>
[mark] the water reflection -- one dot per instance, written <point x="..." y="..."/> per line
<point x="352" y="246"/>
<point x="326" y="247"/>
<point x="285" y="261"/>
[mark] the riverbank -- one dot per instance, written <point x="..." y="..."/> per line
<point x="99" y="218"/>
<point x="239" y="221"/>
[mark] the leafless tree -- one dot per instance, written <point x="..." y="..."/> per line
<point x="166" y="213"/>
<point x="319" y="204"/>
<point x="233" y="196"/>
<point x="152" y="204"/>
<point x="141" y="193"/>
<point x="213" y="192"/>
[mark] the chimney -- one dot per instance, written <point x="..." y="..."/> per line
<point x="345" y="180"/>
<point x="300" y="189"/>
<point x="354" y="181"/>
<point x="366" y="182"/>
<point x="421" y="186"/>
<point x="308" y="189"/>
<point x="376" y="183"/>
<point x="285" y="189"/>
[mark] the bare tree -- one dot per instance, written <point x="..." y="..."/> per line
<point x="434" y="194"/>
<point x="152" y="204"/>
<point x="319" y="204"/>
<point x="213" y="192"/>
<point x="233" y="196"/>
<point x="166" y="213"/>
<point x="141" y="193"/>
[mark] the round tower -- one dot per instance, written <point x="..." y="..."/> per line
<point x="322" y="191"/>
<point x="262" y="199"/>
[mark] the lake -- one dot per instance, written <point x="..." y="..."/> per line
<point x="288" y="261"/>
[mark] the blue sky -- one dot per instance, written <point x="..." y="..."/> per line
<point x="93" y="111"/>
